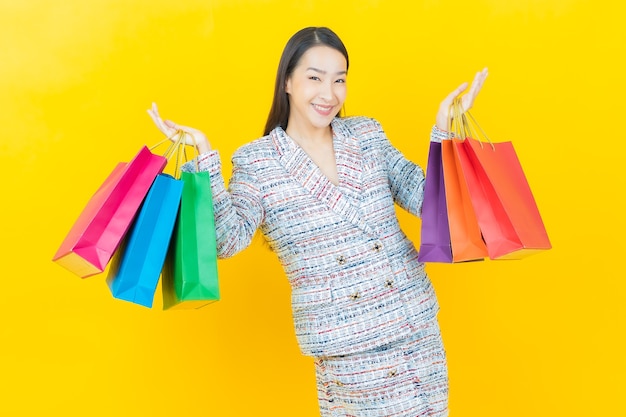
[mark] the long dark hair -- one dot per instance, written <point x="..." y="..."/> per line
<point x="299" y="43"/>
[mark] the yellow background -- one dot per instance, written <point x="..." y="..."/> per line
<point x="539" y="337"/>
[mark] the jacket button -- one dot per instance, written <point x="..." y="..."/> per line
<point x="355" y="296"/>
<point x="377" y="247"/>
<point x="341" y="260"/>
<point x="389" y="283"/>
<point x="339" y="383"/>
<point x="391" y="373"/>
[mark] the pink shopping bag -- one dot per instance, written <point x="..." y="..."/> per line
<point x="96" y="234"/>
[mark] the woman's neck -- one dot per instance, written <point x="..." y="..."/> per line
<point x="300" y="134"/>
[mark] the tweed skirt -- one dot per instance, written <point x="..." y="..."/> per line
<point x="404" y="379"/>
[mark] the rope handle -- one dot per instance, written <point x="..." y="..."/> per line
<point x="177" y="142"/>
<point x="465" y="124"/>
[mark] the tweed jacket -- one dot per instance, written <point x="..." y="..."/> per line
<point x="355" y="279"/>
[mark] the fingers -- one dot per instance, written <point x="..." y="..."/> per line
<point x="167" y="127"/>
<point x="467" y="100"/>
<point x="154" y="114"/>
<point x="477" y="85"/>
<point x="155" y="110"/>
<point x="188" y="135"/>
<point x="156" y="118"/>
<point x="455" y="93"/>
<point x="447" y="102"/>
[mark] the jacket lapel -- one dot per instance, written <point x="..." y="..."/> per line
<point x="349" y="159"/>
<point x="342" y="199"/>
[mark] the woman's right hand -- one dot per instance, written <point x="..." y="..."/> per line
<point x="193" y="137"/>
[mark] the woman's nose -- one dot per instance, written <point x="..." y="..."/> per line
<point x="326" y="91"/>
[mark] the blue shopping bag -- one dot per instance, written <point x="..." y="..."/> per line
<point x="136" y="266"/>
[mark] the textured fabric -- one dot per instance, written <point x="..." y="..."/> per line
<point x="405" y="379"/>
<point x="356" y="282"/>
<point x="437" y="135"/>
<point x="362" y="303"/>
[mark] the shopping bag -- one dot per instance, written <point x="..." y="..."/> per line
<point x="435" y="234"/>
<point x="96" y="234"/>
<point x="506" y="210"/>
<point x="465" y="237"/>
<point x="190" y="274"/>
<point x="136" y="266"/>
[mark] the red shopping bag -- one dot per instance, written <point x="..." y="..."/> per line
<point x="96" y="234"/>
<point x="505" y="208"/>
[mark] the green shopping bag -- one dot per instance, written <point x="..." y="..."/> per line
<point x="189" y="276"/>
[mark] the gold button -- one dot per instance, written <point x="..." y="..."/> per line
<point x="339" y="383"/>
<point x="355" y="296"/>
<point x="391" y="373"/>
<point x="389" y="283"/>
<point x="377" y="247"/>
<point x="341" y="260"/>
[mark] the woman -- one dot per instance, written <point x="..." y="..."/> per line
<point x="321" y="189"/>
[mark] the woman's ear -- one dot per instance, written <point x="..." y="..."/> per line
<point x="288" y="85"/>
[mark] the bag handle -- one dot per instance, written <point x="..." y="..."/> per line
<point x="468" y="122"/>
<point x="471" y="117"/>
<point x="456" y="127"/>
<point x="177" y="142"/>
<point x="182" y="145"/>
<point x="174" y="144"/>
<point x="453" y="123"/>
<point x="462" y="120"/>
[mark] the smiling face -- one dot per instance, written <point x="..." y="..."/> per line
<point x="316" y="90"/>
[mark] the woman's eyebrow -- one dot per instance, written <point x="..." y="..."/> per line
<point x="324" y="72"/>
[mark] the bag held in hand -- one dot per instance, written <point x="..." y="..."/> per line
<point x="190" y="278"/>
<point x="505" y="208"/>
<point x="96" y="234"/>
<point x="137" y="264"/>
<point x="465" y="236"/>
<point x="435" y="234"/>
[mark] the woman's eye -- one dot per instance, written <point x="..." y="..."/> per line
<point x="314" y="78"/>
<point x="341" y="80"/>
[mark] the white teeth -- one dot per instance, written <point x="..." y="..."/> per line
<point x="323" y="108"/>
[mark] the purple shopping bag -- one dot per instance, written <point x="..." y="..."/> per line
<point x="435" y="236"/>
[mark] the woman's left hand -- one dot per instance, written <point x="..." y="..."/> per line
<point x="467" y="100"/>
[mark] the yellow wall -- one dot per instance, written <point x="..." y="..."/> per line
<point x="539" y="337"/>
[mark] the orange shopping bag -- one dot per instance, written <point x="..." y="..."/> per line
<point x="465" y="237"/>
